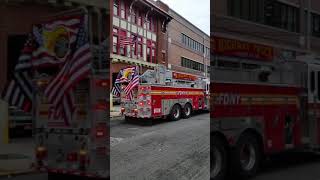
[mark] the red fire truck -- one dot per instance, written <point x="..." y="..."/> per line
<point x="262" y="108"/>
<point x="163" y="93"/>
<point x="79" y="149"/>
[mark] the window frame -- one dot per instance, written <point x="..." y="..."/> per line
<point x="117" y="6"/>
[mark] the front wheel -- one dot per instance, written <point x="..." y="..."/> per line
<point x="247" y="156"/>
<point x="218" y="160"/>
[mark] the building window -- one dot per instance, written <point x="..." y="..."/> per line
<point x="122" y="48"/>
<point x="123" y="9"/>
<point x="246" y="9"/>
<point x="116" y="7"/>
<point x="153" y="55"/>
<point x="312" y="81"/>
<point x="115" y="40"/>
<point x="192" y="44"/>
<point x="139" y="47"/>
<point x="151" y="51"/>
<point x="151" y="24"/>
<point x="139" y="14"/>
<point x="315" y="20"/>
<point x="269" y="12"/>
<point x="188" y="63"/>
<point x="133" y="16"/>
<point x="148" y="54"/>
<point x="115" y="44"/>
<point x="133" y="47"/>
<point x="148" y="23"/>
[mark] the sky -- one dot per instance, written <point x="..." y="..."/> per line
<point x="195" y="11"/>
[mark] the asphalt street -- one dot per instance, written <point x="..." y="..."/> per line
<point x="26" y="177"/>
<point x="291" y="166"/>
<point x="180" y="150"/>
<point x="165" y="150"/>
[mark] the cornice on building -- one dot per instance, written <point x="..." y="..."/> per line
<point x="68" y="3"/>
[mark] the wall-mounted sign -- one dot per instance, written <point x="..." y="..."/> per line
<point x="231" y="47"/>
<point x="182" y="76"/>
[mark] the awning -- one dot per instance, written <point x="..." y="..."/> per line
<point x="131" y="61"/>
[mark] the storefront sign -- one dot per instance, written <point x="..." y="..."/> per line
<point x="182" y="76"/>
<point x="231" y="47"/>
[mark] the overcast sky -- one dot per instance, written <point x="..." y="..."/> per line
<point x="195" y="11"/>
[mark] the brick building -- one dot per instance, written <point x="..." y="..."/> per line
<point x="17" y="18"/>
<point x="189" y="47"/>
<point x="146" y="22"/>
<point x="275" y="29"/>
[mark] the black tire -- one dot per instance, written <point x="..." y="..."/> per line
<point x="56" y="176"/>
<point x="175" y="113"/>
<point x="53" y="176"/>
<point x="187" y="111"/>
<point x="127" y="119"/>
<point x="246" y="157"/>
<point x="218" y="160"/>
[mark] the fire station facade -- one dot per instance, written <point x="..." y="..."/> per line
<point x="147" y="21"/>
<point x="263" y="30"/>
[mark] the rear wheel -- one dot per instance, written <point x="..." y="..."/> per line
<point x="247" y="156"/>
<point x="53" y="176"/>
<point x="175" y="113"/>
<point x="187" y="111"/>
<point x="218" y="160"/>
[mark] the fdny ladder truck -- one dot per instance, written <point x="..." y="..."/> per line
<point x="262" y="108"/>
<point x="80" y="149"/>
<point x="164" y="93"/>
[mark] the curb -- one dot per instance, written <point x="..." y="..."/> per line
<point x="15" y="173"/>
<point x="114" y="121"/>
<point x="115" y="117"/>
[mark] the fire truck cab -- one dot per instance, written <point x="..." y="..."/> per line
<point x="262" y="108"/>
<point x="163" y="93"/>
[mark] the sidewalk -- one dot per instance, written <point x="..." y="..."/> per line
<point x="17" y="157"/>
<point x="115" y="113"/>
<point x="115" y="116"/>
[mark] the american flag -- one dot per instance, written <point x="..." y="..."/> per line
<point x="18" y="91"/>
<point x="116" y="90"/>
<point x="127" y="75"/>
<point x="124" y="40"/>
<point x="134" y="82"/>
<point x="60" y="91"/>
<point x="43" y="32"/>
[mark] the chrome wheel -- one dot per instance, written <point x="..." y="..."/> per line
<point x="216" y="165"/>
<point x="176" y="113"/>
<point x="247" y="156"/>
<point x="187" y="111"/>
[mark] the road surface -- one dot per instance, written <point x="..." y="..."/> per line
<point x="165" y="150"/>
<point x="291" y="166"/>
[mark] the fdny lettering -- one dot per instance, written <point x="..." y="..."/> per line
<point x="182" y="93"/>
<point x="227" y="99"/>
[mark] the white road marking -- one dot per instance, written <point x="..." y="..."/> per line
<point x="114" y="141"/>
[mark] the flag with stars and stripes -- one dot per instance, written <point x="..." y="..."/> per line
<point x="60" y="90"/>
<point x="134" y="82"/>
<point x="18" y="92"/>
<point x="124" y="40"/>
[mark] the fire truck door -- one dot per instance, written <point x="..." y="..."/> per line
<point x="313" y="102"/>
